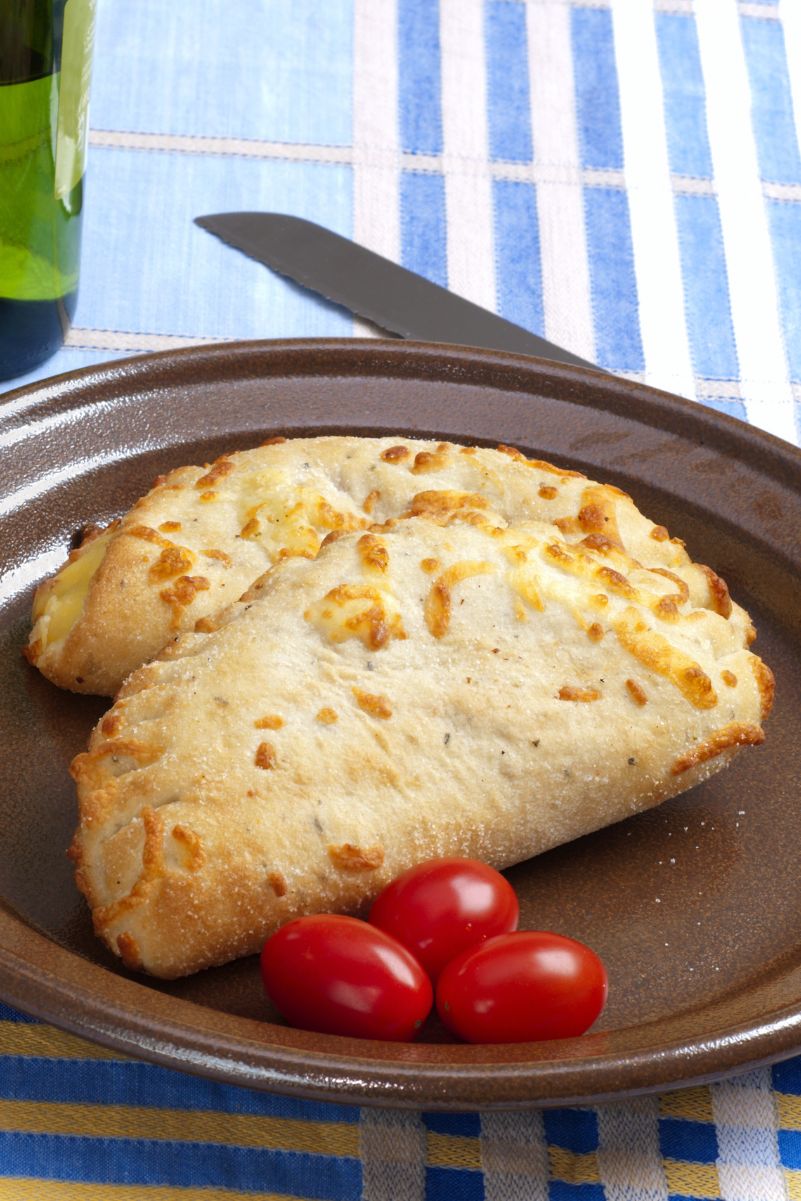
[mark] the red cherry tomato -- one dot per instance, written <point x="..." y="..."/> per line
<point x="442" y="906"/>
<point x="339" y="975"/>
<point x="522" y="987"/>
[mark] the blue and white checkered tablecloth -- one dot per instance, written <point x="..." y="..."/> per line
<point x="622" y="176"/>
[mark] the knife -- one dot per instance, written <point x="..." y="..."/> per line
<point x="372" y="286"/>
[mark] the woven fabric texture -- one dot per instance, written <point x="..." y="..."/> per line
<point x="621" y="176"/>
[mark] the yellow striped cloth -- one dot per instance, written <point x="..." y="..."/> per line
<point x="621" y="176"/>
<point x="81" y="1123"/>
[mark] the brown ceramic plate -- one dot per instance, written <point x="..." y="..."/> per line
<point x="695" y="906"/>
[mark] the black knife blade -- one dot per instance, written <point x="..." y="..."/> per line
<point x="372" y="286"/>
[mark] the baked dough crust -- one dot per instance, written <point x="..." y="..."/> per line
<point x="203" y="535"/>
<point x="446" y="685"/>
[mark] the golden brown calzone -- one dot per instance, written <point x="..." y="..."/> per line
<point x="202" y="535"/>
<point x="452" y="684"/>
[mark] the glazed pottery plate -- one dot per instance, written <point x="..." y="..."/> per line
<point x="695" y="906"/>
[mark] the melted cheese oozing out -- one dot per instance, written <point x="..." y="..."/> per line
<point x="61" y="602"/>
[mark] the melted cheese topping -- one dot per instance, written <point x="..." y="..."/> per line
<point x="526" y="583"/>
<point x="659" y="656"/>
<point x="438" y="603"/>
<point x="357" y="611"/>
<point x="291" y="520"/>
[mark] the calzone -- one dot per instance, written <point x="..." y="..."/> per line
<point x="450" y="684"/>
<point x="203" y="535"/>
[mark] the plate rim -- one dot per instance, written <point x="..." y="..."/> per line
<point x="75" y="1008"/>
<point x="736" y="1049"/>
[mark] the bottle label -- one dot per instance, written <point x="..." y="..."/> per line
<point x="73" y="97"/>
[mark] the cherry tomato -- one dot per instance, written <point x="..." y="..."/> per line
<point x="339" y="975"/>
<point x="443" y="906"/>
<point x="522" y="987"/>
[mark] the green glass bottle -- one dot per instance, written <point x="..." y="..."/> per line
<point x="45" y="61"/>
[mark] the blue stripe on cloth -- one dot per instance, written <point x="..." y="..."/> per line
<point x="7" y="1014"/>
<point x="69" y="358"/>
<point x="789" y="1148"/>
<point x="508" y="96"/>
<point x="785" y="227"/>
<point x="454" y="1184"/>
<point x="786" y="1076"/>
<point x="727" y="404"/>
<point x="423" y="227"/>
<point x="467" y="1124"/>
<point x="562" y="1190"/>
<point x="419" y="91"/>
<point x="680" y="1138"/>
<point x="517" y="253"/>
<point x="597" y="99"/>
<point x="574" y="1129"/>
<point x="272" y="63"/>
<point x="684" y="98"/>
<point x="188" y="1165"/>
<point x="771" y="100"/>
<point x="124" y="1082"/>
<point x="706" y="288"/>
<point x="612" y="280"/>
<point x="186" y="281"/>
